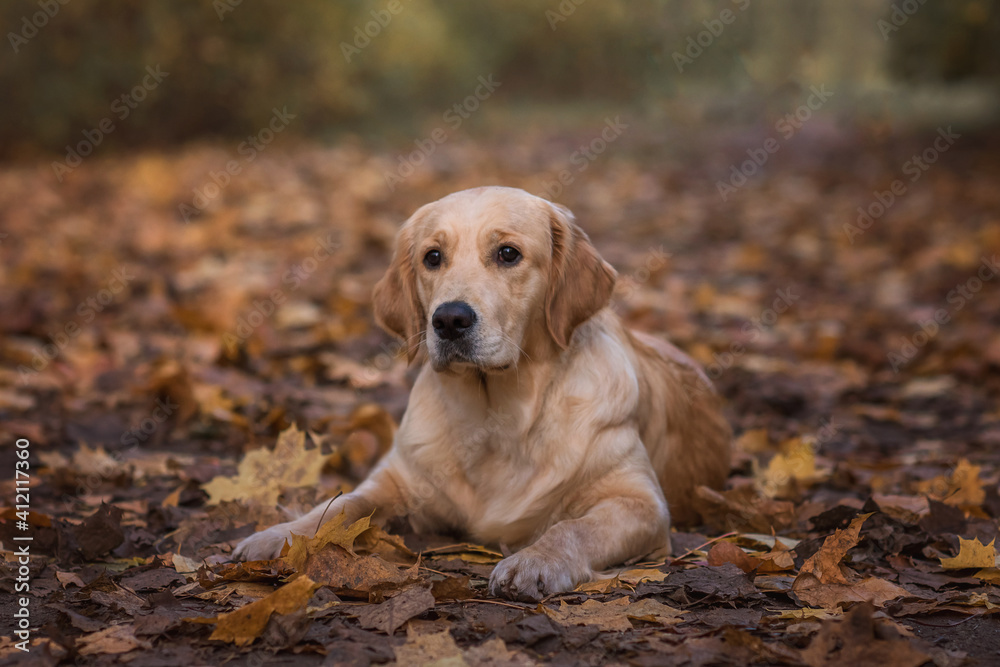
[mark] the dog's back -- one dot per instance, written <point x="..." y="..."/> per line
<point x="685" y="432"/>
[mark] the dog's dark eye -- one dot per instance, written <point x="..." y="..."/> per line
<point x="509" y="255"/>
<point x="432" y="259"/>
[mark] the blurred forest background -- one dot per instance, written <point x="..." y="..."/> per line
<point x="196" y="198"/>
<point x="230" y="63"/>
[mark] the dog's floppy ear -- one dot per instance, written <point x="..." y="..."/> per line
<point x="580" y="282"/>
<point x="397" y="306"/>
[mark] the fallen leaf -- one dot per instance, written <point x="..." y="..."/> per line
<point x="112" y="640"/>
<point x="351" y="574"/>
<point x="962" y="488"/>
<point x="743" y="510"/>
<point x="727" y="552"/>
<point x="453" y="588"/>
<point x="100" y="532"/>
<point x="640" y="575"/>
<point x="854" y="641"/>
<point x="186" y="566"/>
<point x="754" y="441"/>
<point x="990" y="575"/>
<point x="67" y="578"/>
<point x="263" y="474"/>
<point x="649" y="609"/>
<point x="332" y="532"/>
<point x="603" y="615"/>
<point x="394" y="612"/>
<point x="422" y="650"/>
<point x="824" y="565"/>
<point x="972" y="553"/>
<point x="795" y="463"/>
<point x="870" y="589"/>
<point x="807" y="613"/>
<point x="243" y="626"/>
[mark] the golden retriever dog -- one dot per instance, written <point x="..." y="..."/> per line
<point x="538" y="421"/>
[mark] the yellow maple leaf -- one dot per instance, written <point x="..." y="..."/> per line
<point x="245" y="624"/>
<point x="754" y="441"/>
<point x="332" y="531"/>
<point x="962" y="488"/>
<point x="972" y="553"/>
<point x="990" y="575"/>
<point x="263" y="475"/>
<point x="967" y="488"/>
<point x="796" y="462"/>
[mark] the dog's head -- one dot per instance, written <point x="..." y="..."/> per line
<point x="485" y="274"/>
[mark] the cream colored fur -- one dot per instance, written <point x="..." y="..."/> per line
<point x="554" y="430"/>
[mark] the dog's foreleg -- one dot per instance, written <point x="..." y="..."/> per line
<point x="381" y="494"/>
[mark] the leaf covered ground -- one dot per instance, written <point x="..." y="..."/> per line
<point x="184" y="382"/>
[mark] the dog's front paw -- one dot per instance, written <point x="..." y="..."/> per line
<point x="265" y="545"/>
<point x="530" y="574"/>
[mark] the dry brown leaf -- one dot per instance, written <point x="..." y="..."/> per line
<point x="871" y="589"/>
<point x="67" y="578"/>
<point x="113" y="640"/>
<point x="743" y="510"/>
<point x="186" y="566"/>
<point x="603" y="615"/>
<point x="854" y="640"/>
<point x="640" y="575"/>
<point x="650" y="610"/>
<point x="600" y="586"/>
<point x="727" y="552"/>
<point x="388" y="616"/>
<point x="453" y="588"/>
<point x="350" y="574"/>
<point x="778" y="559"/>
<point x="824" y="565"/>
<point x="437" y="649"/>
<point x="390" y="547"/>
<point x="972" y="553"/>
<point x="494" y="652"/>
<point x="243" y="626"/>
<point x="809" y="613"/>
<point x="263" y="475"/>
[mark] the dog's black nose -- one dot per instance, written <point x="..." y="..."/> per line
<point x="451" y="320"/>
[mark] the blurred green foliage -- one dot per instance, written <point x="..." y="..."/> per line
<point x="230" y="62"/>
